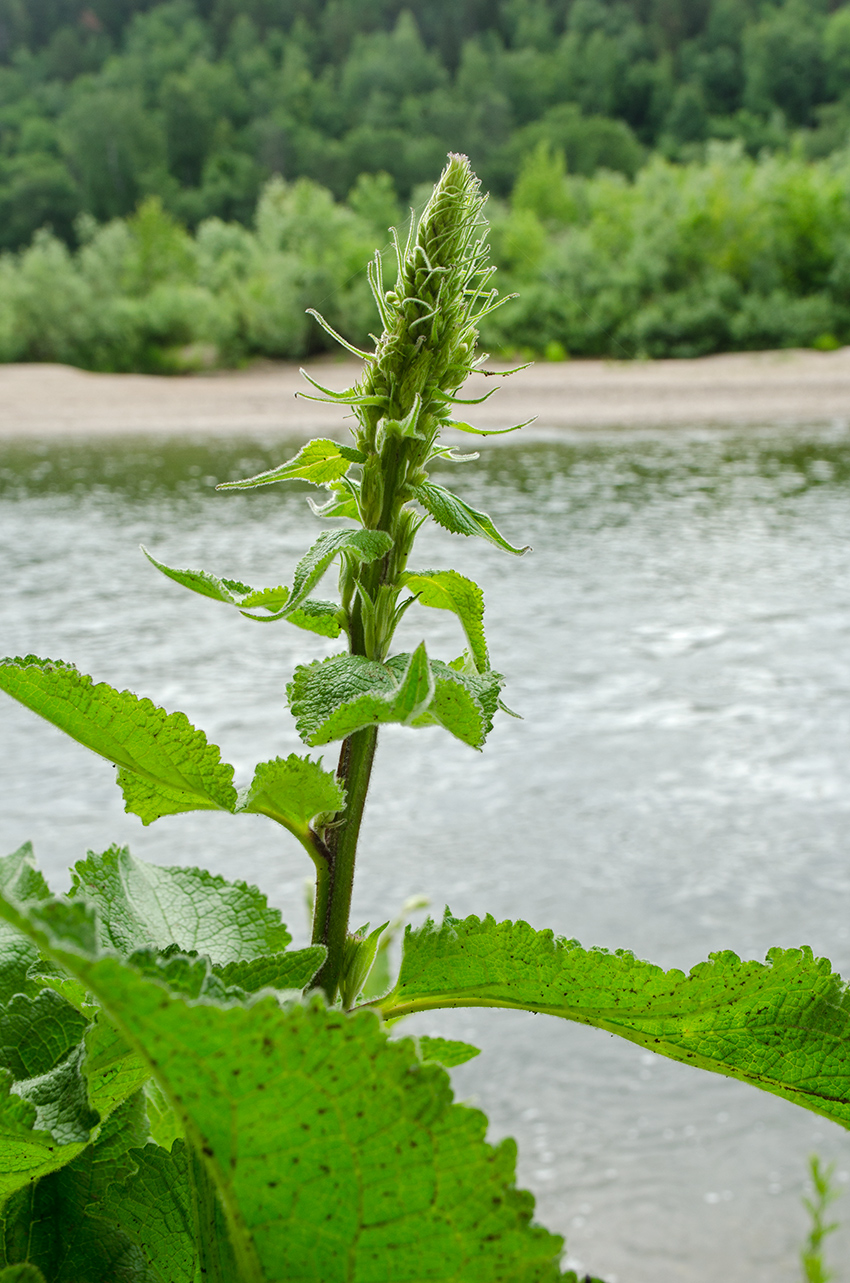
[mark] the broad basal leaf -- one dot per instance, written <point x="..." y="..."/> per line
<point x="293" y="791"/>
<point x="336" y="1154"/>
<point x="318" y="461"/>
<point x="464" y="702"/>
<point x="447" y="590"/>
<point x="454" y="515"/>
<point x="26" y="1152"/>
<point x="335" y="697"/>
<point x="783" y="1025"/>
<point x="164" y="749"/>
<point x="55" y="1224"/>
<point x="143" y="905"/>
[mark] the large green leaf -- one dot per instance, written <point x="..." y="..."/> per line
<point x="318" y="461"/>
<point x="144" y="905"/>
<point x="28" y="1153"/>
<point x="54" y="1224"/>
<point x="164" y="749"/>
<point x="783" y="1025"/>
<point x="448" y="590"/>
<point x="454" y="515"/>
<point x="332" y="698"/>
<point x="335" y="1153"/>
<point x="293" y="791"/>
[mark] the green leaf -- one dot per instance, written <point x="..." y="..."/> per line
<point x="143" y="905"/>
<point x="315" y="616"/>
<point x="361" y="948"/>
<point x="448" y="590"/>
<point x="27" y="1154"/>
<point x="163" y="748"/>
<point x="292" y="970"/>
<point x="37" y="1033"/>
<point x="783" y="1025"/>
<point x="293" y="791"/>
<point x="301" y="1115"/>
<point x="153" y="1208"/>
<point x="21" y="1274"/>
<point x="19" y="881"/>
<point x="318" y="461"/>
<point x="454" y="515"/>
<point x="359" y="545"/>
<point x="334" y="697"/>
<point x="485" y="432"/>
<point x="320" y="617"/>
<point x="55" y="1226"/>
<point x="446" y="1052"/>
<point x="464" y="701"/>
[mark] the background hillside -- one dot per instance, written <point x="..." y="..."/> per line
<point x="673" y="173"/>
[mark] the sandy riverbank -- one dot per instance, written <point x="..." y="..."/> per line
<point x="742" y="388"/>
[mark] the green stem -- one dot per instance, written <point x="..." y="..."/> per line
<point x="333" y="895"/>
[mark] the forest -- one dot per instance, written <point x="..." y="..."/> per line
<point x="667" y="177"/>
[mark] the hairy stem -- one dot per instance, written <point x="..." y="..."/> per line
<point x="333" y="894"/>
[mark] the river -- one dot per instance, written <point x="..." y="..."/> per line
<point x="677" y="645"/>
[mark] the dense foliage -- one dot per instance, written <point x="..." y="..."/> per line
<point x="687" y="259"/>
<point x="182" y="1096"/>
<point x="103" y="102"/>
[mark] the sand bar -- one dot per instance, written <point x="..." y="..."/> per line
<point x="47" y="401"/>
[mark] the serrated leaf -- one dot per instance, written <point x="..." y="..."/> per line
<point x="163" y="748"/>
<point x="37" y="1033"/>
<point x="143" y="905"/>
<point x="26" y="1154"/>
<point x="153" y="1208"/>
<point x="332" y="698"/>
<point x="291" y="970"/>
<point x="448" y="590"/>
<point x="19" y="881"/>
<point x="454" y="515"/>
<point x="318" y="461"/>
<point x="320" y="617"/>
<point x="464" y="702"/>
<point x="360" y="545"/>
<point x="293" y="791"/>
<point x="783" y="1025"/>
<point x="315" y="616"/>
<point x="54" y="1224"/>
<point x="300" y="1115"/>
<point x="446" y="1051"/>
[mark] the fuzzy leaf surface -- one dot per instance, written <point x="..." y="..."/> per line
<point x="143" y="905"/>
<point x="292" y="791"/>
<point x="314" y="616"/>
<point x="464" y="702"/>
<point x="454" y="515"/>
<point x="448" y="590"/>
<point x="163" y="748"/>
<point x="334" y="697"/>
<point x="54" y="1225"/>
<point x="20" y="880"/>
<point x="318" y="461"/>
<point x="783" y="1025"/>
<point x="301" y="1115"/>
<point x="153" y="1208"/>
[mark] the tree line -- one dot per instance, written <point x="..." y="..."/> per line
<point x="200" y="102"/>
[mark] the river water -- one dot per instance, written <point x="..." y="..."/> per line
<point x="678" y="647"/>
